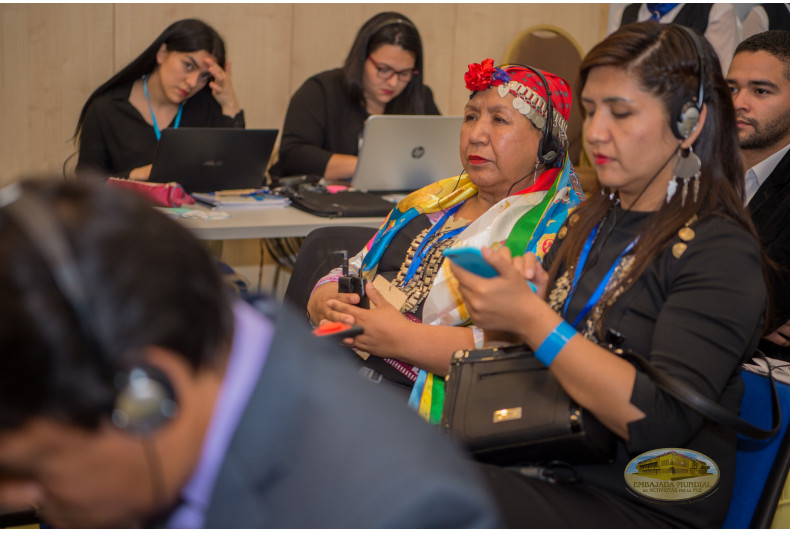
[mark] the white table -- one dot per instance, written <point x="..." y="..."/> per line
<point x="246" y="223"/>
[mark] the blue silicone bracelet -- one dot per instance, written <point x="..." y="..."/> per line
<point x="555" y="342"/>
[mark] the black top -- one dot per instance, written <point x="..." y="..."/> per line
<point x="770" y="210"/>
<point x="695" y="317"/>
<point x="116" y="139"/>
<point x="322" y="121"/>
<point x="690" y="15"/>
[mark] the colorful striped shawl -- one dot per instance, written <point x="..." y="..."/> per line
<point x="524" y="222"/>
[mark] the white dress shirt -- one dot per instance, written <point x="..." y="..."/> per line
<point x="757" y="175"/>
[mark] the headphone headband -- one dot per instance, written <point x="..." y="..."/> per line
<point x="698" y="45"/>
<point x="390" y="21"/>
<point x="687" y="115"/>
<point x="549" y="146"/>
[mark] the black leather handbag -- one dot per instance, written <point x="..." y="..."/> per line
<point x="507" y="408"/>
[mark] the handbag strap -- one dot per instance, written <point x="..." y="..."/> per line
<point x="704" y="406"/>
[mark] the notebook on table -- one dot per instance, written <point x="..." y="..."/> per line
<point x="213" y="159"/>
<point x="399" y="154"/>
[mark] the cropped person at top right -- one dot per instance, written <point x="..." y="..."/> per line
<point x="718" y="22"/>
<point x="759" y="78"/>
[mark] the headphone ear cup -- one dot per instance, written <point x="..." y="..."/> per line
<point x="549" y="149"/>
<point x="145" y="400"/>
<point x="686" y="120"/>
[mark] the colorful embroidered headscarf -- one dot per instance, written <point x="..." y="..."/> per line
<point x="529" y="93"/>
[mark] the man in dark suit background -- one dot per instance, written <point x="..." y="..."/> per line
<point x="759" y="78"/>
<point x="135" y="392"/>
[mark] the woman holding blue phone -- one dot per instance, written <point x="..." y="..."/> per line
<point x="181" y="79"/>
<point x="517" y="188"/>
<point x="665" y="263"/>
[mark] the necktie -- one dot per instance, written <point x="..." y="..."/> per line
<point x="659" y="10"/>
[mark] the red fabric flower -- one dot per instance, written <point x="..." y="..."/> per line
<point x="479" y="75"/>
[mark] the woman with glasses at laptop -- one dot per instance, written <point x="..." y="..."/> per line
<point x="181" y="79"/>
<point x="516" y="190"/>
<point x="382" y="74"/>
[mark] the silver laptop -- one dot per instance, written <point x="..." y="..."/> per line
<point x="213" y="159"/>
<point x="402" y="153"/>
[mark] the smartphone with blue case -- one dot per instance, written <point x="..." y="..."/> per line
<point x="472" y="260"/>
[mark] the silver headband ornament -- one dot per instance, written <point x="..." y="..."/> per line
<point x="532" y="105"/>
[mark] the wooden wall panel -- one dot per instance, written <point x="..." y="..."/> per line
<point x="54" y="55"/>
<point x="486" y="30"/>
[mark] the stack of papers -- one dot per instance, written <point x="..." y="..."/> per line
<point x="256" y="199"/>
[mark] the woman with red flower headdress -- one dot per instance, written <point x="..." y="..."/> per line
<point x="516" y="190"/>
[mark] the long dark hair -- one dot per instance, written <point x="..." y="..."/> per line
<point x="393" y="28"/>
<point x="665" y="63"/>
<point x="188" y="35"/>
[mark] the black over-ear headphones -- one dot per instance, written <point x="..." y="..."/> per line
<point x="550" y="141"/>
<point x="144" y="398"/>
<point x="388" y="22"/>
<point x="686" y="115"/>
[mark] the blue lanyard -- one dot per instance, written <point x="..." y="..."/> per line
<point x="151" y="109"/>
<point x="422" y="250"/>
<point x="604" y="282"/>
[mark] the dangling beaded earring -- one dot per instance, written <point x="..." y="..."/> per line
<point x="687" y="168"/>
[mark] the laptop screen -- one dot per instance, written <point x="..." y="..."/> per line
<point x="213" y="159"/>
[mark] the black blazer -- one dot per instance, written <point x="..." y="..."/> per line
<point x="770" y="210"/>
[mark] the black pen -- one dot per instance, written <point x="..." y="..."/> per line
<point x="208" y="203"/>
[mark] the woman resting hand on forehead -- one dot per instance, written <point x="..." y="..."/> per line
<point x="665" y="259"/>
<point x="511" y="195"/>
<point x="181" y="79"/>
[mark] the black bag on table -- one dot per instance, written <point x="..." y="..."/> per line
<point x="317" y="201"/>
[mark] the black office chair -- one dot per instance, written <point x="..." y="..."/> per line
<point x="316" y="258"/>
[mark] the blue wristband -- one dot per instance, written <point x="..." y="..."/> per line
<point x="555" y="342"/>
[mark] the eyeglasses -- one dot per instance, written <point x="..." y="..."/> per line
<point x="386" y="72"/>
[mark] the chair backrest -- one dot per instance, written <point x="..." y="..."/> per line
<point x="553" y="49"/>
<point x="761" y="466"/>
<point x="316" y="258"/>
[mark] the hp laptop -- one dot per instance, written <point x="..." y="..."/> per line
<point x="402" y="153"/>
<point x="213" y="159"/>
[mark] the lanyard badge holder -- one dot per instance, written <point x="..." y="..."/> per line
<point x="352" y="284"/>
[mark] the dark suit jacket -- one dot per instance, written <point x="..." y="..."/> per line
<point x="319" y="447"/>
<point x="770" y="210"/>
